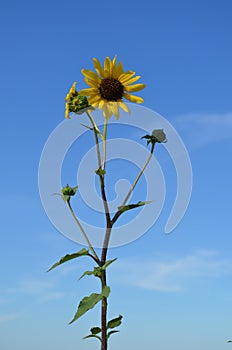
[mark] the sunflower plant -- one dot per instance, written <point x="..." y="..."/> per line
<point x="109" y="86"/>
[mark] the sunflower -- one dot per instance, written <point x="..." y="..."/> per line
<point x="109" y="85"/>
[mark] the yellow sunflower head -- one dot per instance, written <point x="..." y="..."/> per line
<point x="109" y="85"/>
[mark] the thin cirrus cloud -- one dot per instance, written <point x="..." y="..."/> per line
<point x="42" y="290"/>
<point x="173" y="274"/>
<point x="9" y="317"/>
<point x="201" y="129"/>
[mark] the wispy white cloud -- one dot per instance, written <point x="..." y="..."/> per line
<point x="42" y="290"/>
<point x="202" y="128"/>
<point x="175" y="274"/>
<point x="9" y="317"/>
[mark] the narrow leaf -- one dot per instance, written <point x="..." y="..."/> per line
<point x="89" y="302"/>
<point x="124" y="208"/>
<point x="68" y="257"/>
<point x="97" y="271"/>
<point x="108" y="262"/>
<point x="115" y="322"/>
<point x="86" y="126"/>
<point x="89" y="273"/>
<point x="111" y="332"/>
<point x="92" y="336"/>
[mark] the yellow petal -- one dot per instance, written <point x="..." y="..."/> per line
<point x="107" y="112"/>
<point x="89" y="91"/>
<point x="123" y="106"/>
<point x="120" y="69"/>
<point x="124" y="77"/>
<point x="91" y="75"/>
<point x="133" y="88"/>
<point x="98" y="67"/>
<point x="133" y="98"/>
<point x="114" y="68"/>
<point x="67" y="111"/>
<point x="94" y="99"/>
<point x="101" y="104"/>
<point x="114" y="109"/>
<point x="107" y="64"/>
<point x="131" y="80"/>
<point x="91" y="82"/>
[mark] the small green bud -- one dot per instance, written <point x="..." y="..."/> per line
<point x="100" y="172"/>
<point x="76" y="103"/>
<point x="68" y="192"/>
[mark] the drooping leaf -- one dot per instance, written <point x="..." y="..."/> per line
<point x="94" y="331"/>
<point x="68" y="257"/>
<point x="89" y="273"/>
<point x="89" y="302"/>
<point x="92" y="336"/>
<point x="127" y="207"/>
<point x="111" y="332"/>
<point x="115" y="322"/>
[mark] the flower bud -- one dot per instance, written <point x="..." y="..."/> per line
<point x="76" y="103"/>
<point x="68" y="192"/>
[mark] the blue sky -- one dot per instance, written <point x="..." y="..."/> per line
<point x="174" y="290"/>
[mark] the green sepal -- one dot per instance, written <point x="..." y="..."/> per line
<point x="111" y="332"/>
<point x="89" y="302"/>
<point x="127" y="207"/>
<point x="115" y="322"/>
<point x="97" y="271"/>
<point x="67" y="192"/>
<point x="68" y="257"/>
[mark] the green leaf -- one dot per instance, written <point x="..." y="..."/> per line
<point x="68" y="257"/>
<point x="97" y="271"/>
<point x="105" y="291"/>
<point x="115" y="322"/>
<point x="89" y="273"/>
<point x="92" y="336"/>
<point x="124" y="208"/>
<point x="111" y="332"/>
<point x="89" y="302"/>
<point x="107" y="263"/>
<point x="95" y="330"/>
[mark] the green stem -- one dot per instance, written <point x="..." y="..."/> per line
<point x="104" y="144"/>
<point x="95" y="130"/>
<point x="139" y="175"/>
<point x="83" y="233"/>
